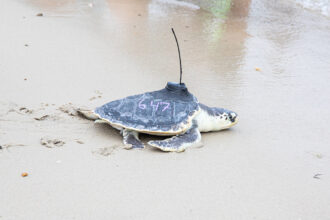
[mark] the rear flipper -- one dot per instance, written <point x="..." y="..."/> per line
<point x="179" y="143"/>
<point x="88" y="114"/>
<point x="131" y="139"/>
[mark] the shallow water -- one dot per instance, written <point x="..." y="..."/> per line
<point x="320" y="6"/>
<point x="263" y="168"/>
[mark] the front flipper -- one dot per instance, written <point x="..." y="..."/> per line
<point x="131" y="139"/>
<point x="179" y="143"/>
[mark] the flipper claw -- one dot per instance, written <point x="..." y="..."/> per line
<point x="131" y="139"/>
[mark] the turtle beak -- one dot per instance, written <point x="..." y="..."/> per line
<point x="233" y="117"/>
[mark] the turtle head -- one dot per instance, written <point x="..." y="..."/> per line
<point x="224" y="118"/>
<point x="215" y="119"/>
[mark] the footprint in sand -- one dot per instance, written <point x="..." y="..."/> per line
<point x="98" y="95"/>
<point x="69" y="109"/>
<point x="3" y="146"/>
<point x="44" y="117"/>
<point x="51" y="142"/>
<point x="106" y="151"/>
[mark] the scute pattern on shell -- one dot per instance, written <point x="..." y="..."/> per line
<point x="167" y="110"/>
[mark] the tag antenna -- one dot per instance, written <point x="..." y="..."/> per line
<point x="179" y="54"/>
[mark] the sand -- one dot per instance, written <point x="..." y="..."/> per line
<point x="266" y="60"/>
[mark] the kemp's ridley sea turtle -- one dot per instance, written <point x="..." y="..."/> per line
<point x="172" y="111"/>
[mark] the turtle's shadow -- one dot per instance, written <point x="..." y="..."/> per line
<point x="145" y="138"/>
<point x="106" y="130"/>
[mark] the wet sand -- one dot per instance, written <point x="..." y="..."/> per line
<point x="274" y="164"/>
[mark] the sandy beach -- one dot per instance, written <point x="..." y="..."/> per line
<point x="267" y="60"/>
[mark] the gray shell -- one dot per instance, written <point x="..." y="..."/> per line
<point x="166" y="111"/>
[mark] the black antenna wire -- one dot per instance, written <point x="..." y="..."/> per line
<point x="179" y="54"/>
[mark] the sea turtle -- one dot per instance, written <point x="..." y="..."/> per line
<point x="172" y="111"/>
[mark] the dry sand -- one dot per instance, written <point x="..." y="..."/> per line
<point x="267" y="60"/>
